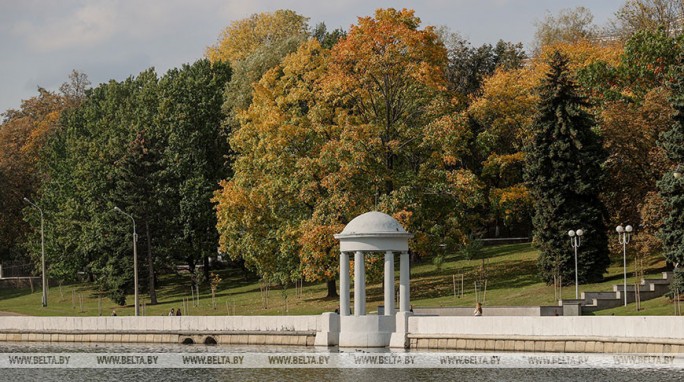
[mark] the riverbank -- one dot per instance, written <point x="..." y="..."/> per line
<point x="530" y="334"/>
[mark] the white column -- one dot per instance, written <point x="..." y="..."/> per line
<point x="359" y="285"/>
<point x="404" y="304"/>
<point x="344" y="284"/>
<point x="389" y="283"/>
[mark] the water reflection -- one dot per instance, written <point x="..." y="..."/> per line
<point x="317" y="375"/>
<point x="352" y="375"/>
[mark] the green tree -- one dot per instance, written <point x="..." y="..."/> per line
<point x="153" y="147"/>
<point x="137" y="172"/>
<point x="194" y="158"/>
<point x="671" y="188"/>
<point x="103" y="156"/>
<point x="325" y="38"/>
<point x="468" y="66"/>
<point x="82" y="162"/>
<point x="564" y="177"/>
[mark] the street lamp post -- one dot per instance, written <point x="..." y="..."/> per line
<point x="42" y="251"/>
<point x="575" y="242"/>
<point x="135" y="262"/>
<point x="624" y="234"/>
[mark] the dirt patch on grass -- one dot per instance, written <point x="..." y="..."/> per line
<point x="10" y="314"/>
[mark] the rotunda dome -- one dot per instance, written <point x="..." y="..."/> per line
<point x="371" y="223"/>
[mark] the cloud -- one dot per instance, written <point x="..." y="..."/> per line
<point x="85" y="26"/>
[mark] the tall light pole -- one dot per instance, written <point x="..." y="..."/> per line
<point x="42" y="251"/>
<point x="623" y="238"/>
<point x="135" y="261"/>
<point x="575" y="242"/>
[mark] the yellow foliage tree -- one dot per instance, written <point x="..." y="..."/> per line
<point x="504" y="111"/>
<point x="331" y="134"/>
<point x="244" y="37"/>
<point x="23" y="133"/>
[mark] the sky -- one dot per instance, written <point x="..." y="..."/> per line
<point x="41" y="41"/>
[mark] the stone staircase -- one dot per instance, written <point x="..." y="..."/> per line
<point x="648" y="289"/>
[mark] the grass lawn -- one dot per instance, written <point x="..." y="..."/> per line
<point x="511" y="280"/>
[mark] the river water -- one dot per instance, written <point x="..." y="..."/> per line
<point x="517" y="367"/>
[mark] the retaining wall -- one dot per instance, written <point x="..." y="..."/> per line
<point x="658" y="334"/>
<point x="253" y="330"/>
<point x="645" y="334"/>
<point x="492" y="311"/>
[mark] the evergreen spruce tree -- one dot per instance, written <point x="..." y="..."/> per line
<point x="671" y="188"/>
<point x="564" y="174"/>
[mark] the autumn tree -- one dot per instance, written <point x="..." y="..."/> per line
<point x="631" y="100"/>
<point x="400" y="146"/>
<point x="23" y="134"/>
<point x="252" y="46"/>
<point x="331" y="135"/>
<point x="569" y="25"/>
<point x="378" y="70"/>
<point x="500" y="117"/>
<point x="244" y="37"/>
<point x="647" y="15"/>
<point x="563" y="173"/>
<point x="274" y="188"/>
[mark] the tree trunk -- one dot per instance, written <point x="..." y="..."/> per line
<point x="150" y="265"/>
<point x="332" y="290"/>
<point x="246" y="273"/>
<point x="191" y="264"/>
<point x="413" y="257"/>
<point x="205" y="259"/>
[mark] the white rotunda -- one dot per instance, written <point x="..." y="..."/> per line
<point x="370" y="234"/>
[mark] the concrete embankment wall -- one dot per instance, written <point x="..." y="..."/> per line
<point x="609" y="334"/>
<point x="252" y="330"/>
<point x="493" y="311"/>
